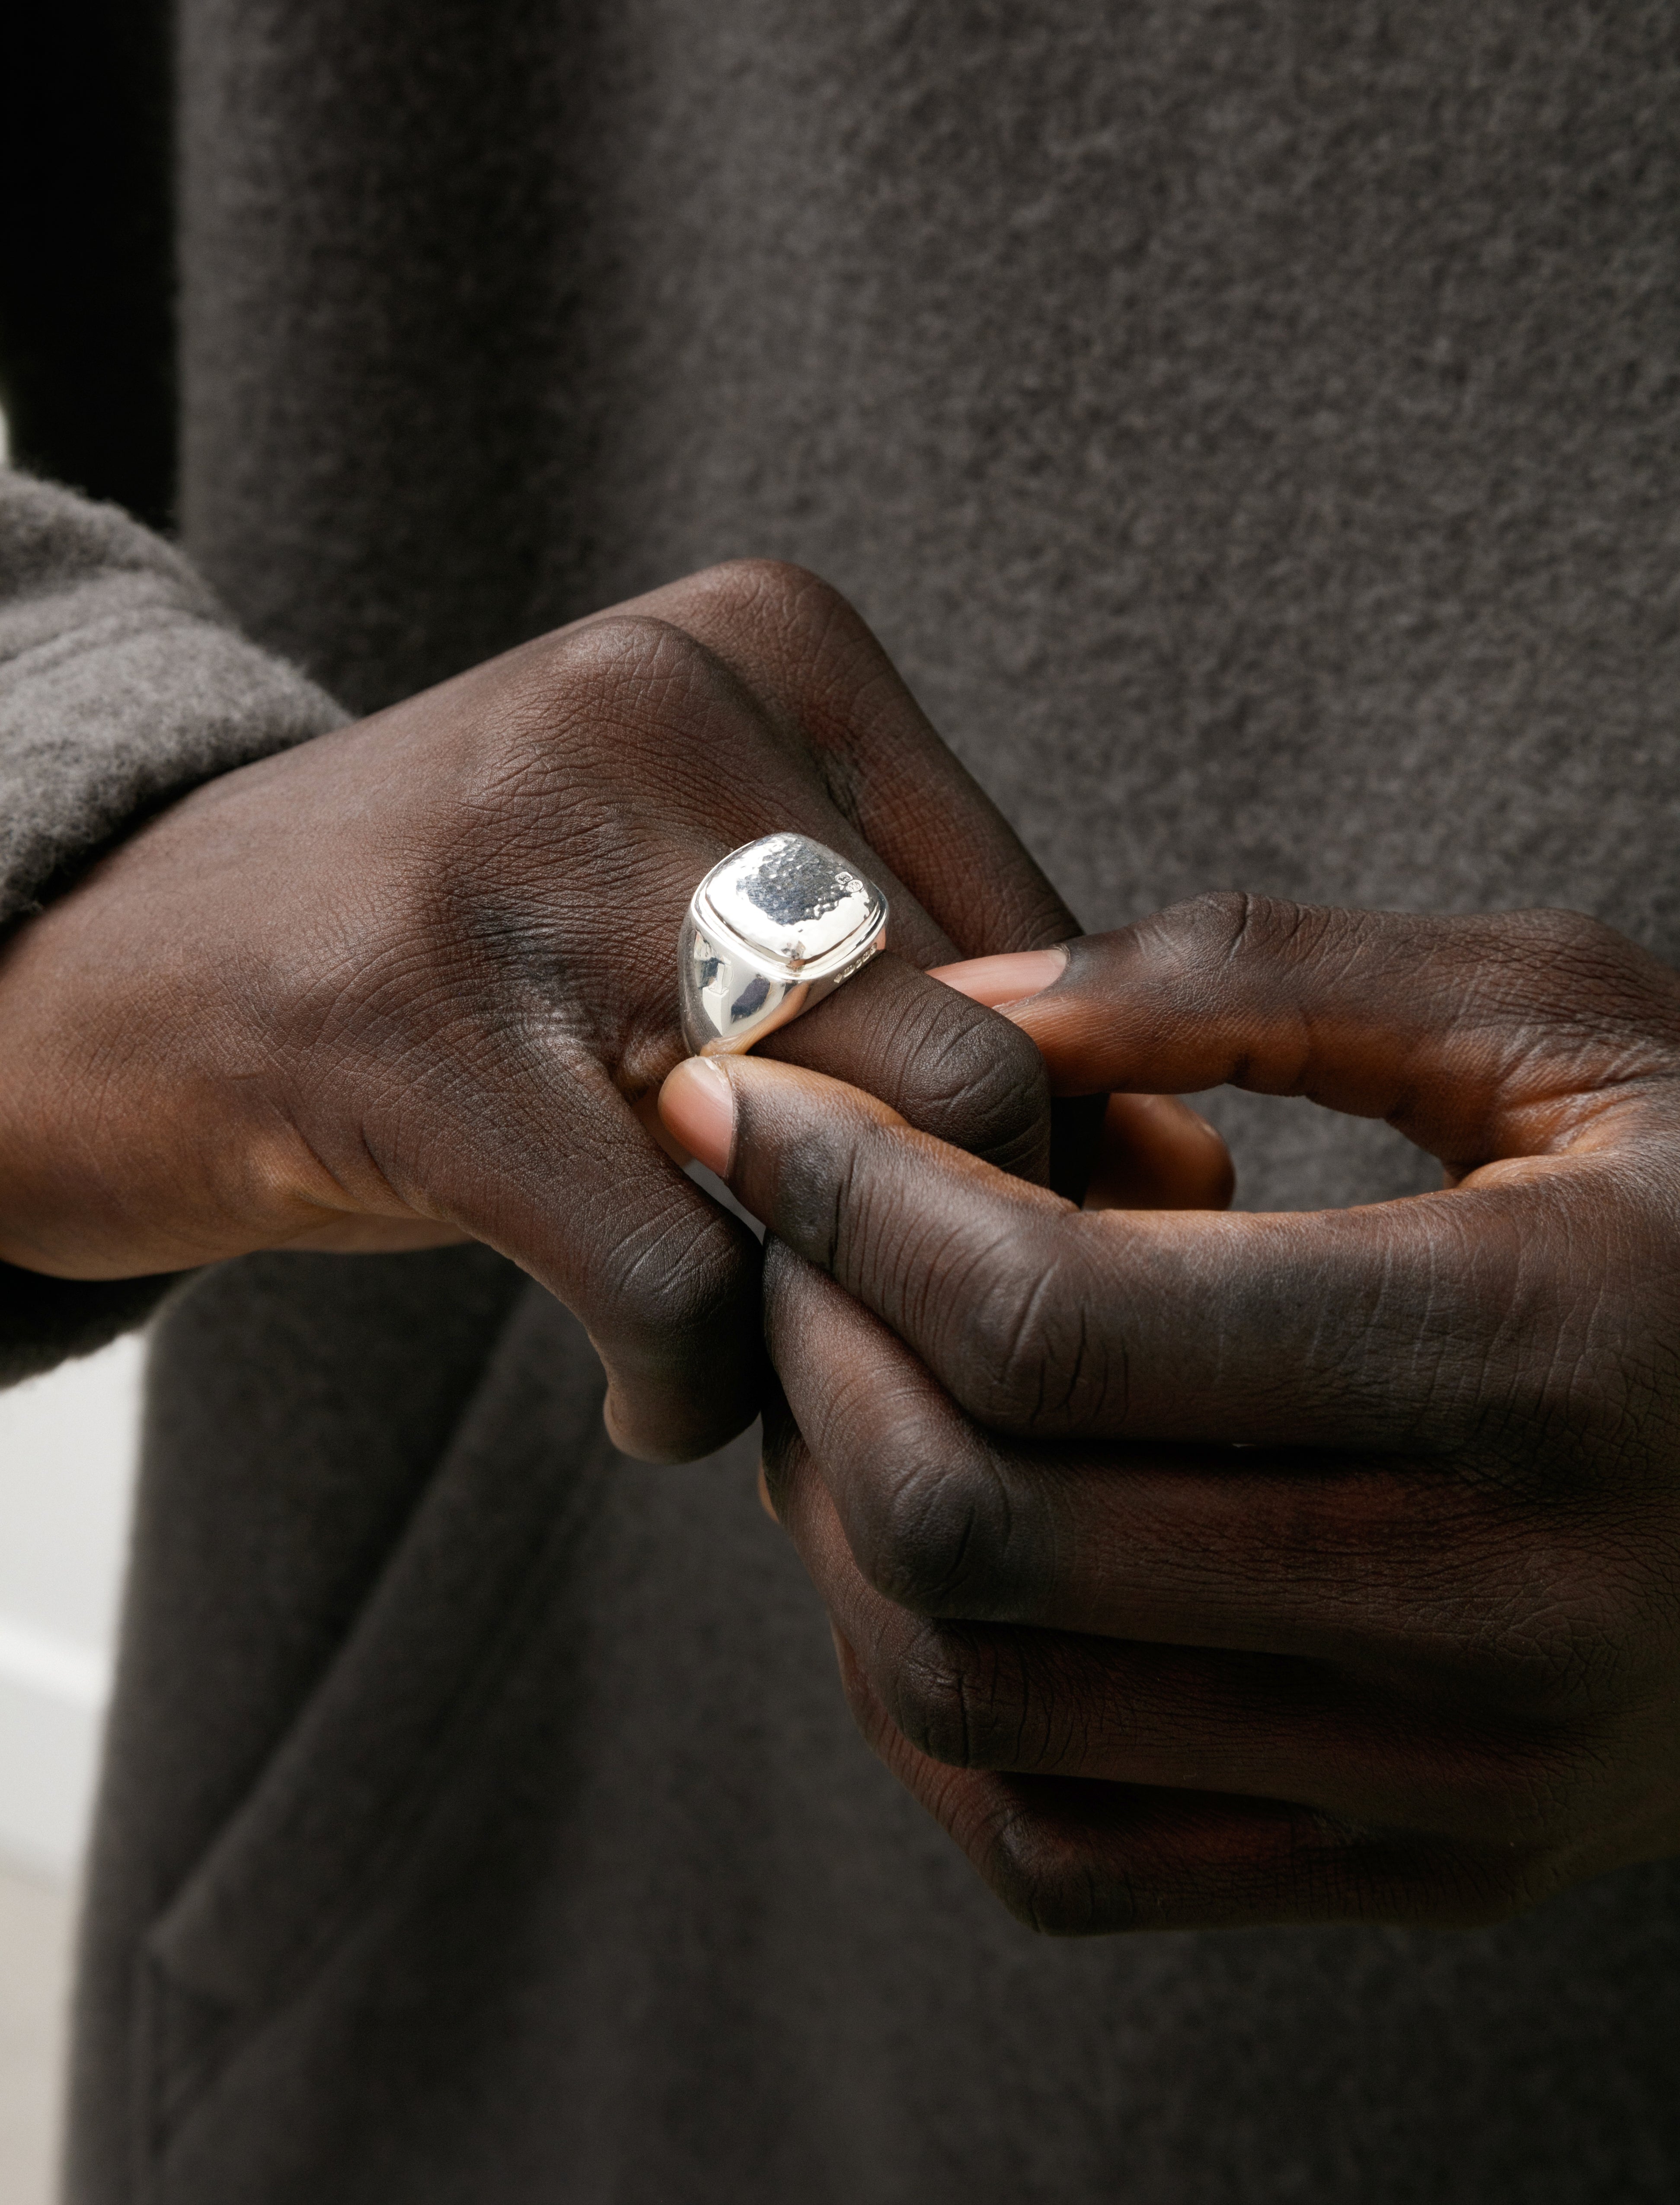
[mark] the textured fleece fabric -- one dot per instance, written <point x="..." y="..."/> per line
<point x="1252" y="425"/>
<point x="121" y="684"/>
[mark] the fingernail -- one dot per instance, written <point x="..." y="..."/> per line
<point x="697" y="1104"/>
<point x="1010" y="979"/>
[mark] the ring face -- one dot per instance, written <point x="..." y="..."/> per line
<point x="777" y="925"/>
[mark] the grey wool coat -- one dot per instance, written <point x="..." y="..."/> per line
<point x="1252" y="426"/>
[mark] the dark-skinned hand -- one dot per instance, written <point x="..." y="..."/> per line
<point x="408" y="983"/>
<point x="1202" y="1570"/>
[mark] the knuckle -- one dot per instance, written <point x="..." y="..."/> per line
<point x="981" y="1084"/>
<point x="959" y="1697"/>
<point x="1048" y="1878"/>
<point x="1222" y="923"/>
<point x="802" y="617"/>
<point x="547" y="755"/>
<point x="1579" y="977"/>
<point x="954" y="1069"/>
<point x="778" y="589"/>
<point x="1027" y="1358"/>
<point x="1268" y="942"/>
<point x="936" y="1534"/>
<point x="820" y="643"/>
<point x="1226" y="939"/>
<point x="1216" y="920"/>
<point x="616" y="665"/>
<point x="612" y="646"/>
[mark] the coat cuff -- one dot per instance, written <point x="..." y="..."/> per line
<point x="123" y="686"/>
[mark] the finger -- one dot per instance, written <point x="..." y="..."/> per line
<point x="1156" y="1153"/>
<point x="1480" y="1038"/>
<point x="1074" y="1858"/>
<point x="1079" y="1857"/>
<point x="796" y="643"/>
<point x="1049" y="1702"/>
<point x="948" y="1067"/>
<point x="1406" y="1580"/>
<point x="1365" y="1328"/>
<point x="1188" y="1547"/>
<point x="1010" y="977"/>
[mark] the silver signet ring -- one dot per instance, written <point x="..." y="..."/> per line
<point x="778" y="926"/>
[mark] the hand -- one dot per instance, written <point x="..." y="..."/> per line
<point x="408" y="983"/>
<point x="1201" y="1570"/>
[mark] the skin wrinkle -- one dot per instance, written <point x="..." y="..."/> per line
<point x="958" y="1641"/>
<point x="934" y="1581"/>
<point x="928" y="1256"/>
<point x="649" y="1246"/>
<point x="985" y="1098"/>
<point x="1014" y="1360"/>
<point x="1077" y="1361"/>
<point x="983" y="1344"/>
<point x="950" y="1064"/>
<point x="1558" y="1398"/>
<point x="930" y="1701"/>
<point x="919" y="1560"/>
<point x="1427" y="1341"/>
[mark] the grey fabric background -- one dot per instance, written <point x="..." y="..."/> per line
<point x="1251" y="426"/>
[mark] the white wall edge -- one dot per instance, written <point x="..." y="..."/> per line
<point x="41" y="1662"/>
<point x="52" y="1701"/>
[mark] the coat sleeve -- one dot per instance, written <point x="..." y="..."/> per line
<point x="122" y="685"/>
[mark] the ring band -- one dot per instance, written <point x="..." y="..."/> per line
<point x="772" y="929"/>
